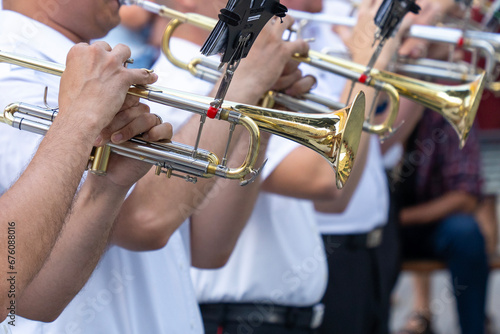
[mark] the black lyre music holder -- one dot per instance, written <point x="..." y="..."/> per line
<point x="390" y="14"/>
<point x="241" y="21"/>
<point x="234" y="34"/>
<point x="239" y="25"/>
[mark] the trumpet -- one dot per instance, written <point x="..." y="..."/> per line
<point x="458" y="104"/>
<point x="207" y="23"/>
<point x="334" y="136"/>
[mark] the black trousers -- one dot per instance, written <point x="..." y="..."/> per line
<point x="357" y="299"/>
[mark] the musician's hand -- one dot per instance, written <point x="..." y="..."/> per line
<point x="301" y="86"/>
<point x="95" y="83"/>
<point x="133" y="119"/>
<point x="359" y="40"/>
<point x="269" y="63"/>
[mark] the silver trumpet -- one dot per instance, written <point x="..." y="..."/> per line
<point x="335" y="136"/>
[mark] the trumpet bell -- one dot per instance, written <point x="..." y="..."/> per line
<point x="461" y="119"/>
<point x="457" y="104"/>
<point x="335" y="136"/>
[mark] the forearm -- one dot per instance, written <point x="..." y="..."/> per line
<point x="219" y="220"/>
<point x="450" y="203"/>
<point x="39" y="201"/>
<point x="76" y="252"/>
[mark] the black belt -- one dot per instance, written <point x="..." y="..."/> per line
<point x="289" y="317"/>
<point x="368" y="240"/>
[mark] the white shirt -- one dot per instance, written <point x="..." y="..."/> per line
<point x="129" y="292"/>
<point x="279" y="254"/>
<point x="323" y="36"/>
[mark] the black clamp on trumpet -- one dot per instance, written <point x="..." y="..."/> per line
<point x="390" y="14"/>
<point x="234" y="34"/>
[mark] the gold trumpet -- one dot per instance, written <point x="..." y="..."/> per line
<point x="334" y="136"/>
<point x="458" y="104"/>
<point x="207" y="23"/>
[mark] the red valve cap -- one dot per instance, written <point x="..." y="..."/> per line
<point x="363" y="78"/>
<point x="212" y="112"/>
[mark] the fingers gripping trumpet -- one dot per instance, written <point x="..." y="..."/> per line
<point x="334" y="136"/>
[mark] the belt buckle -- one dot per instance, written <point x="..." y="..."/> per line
<point x="374" y="238"/>
<point x="318" y="311"/>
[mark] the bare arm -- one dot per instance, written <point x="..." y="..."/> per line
<point x="88" y="225"/>
<point x="218" y="221"/>
<point x="450" y="203"/>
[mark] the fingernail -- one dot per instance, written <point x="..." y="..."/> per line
<point x="145" y="136"/>
<point x="98" y="140"/>
<point x="117" y="137"/>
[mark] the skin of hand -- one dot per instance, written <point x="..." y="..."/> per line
<point x="133" y="119"/>
<point x="134" y="17"/>
<point x="269" y="64"/>
<point x="97" y="71"/>
<point x="359" y="40"/>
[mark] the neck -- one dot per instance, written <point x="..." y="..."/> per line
<point x="39" y="13"/>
